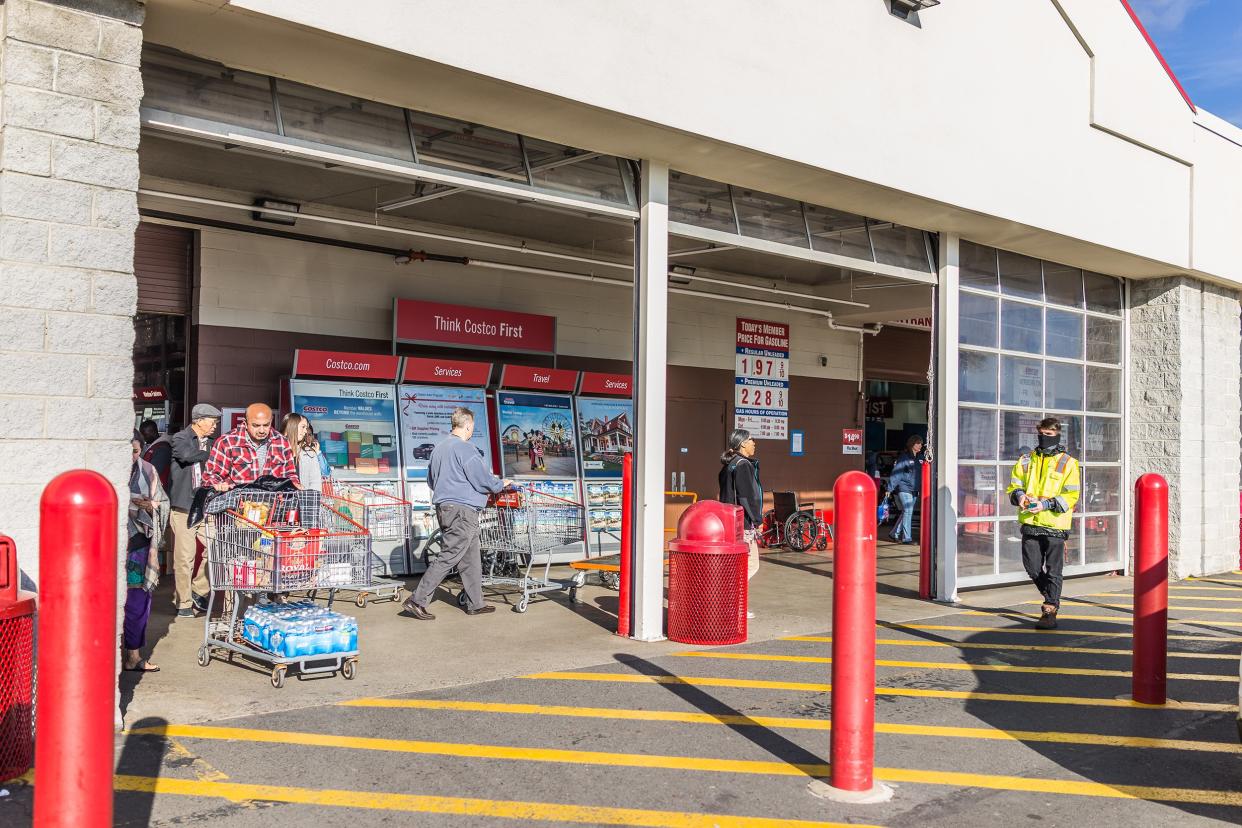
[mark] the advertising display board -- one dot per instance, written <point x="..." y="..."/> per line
<point x="356" y="424"/>
<point x="537" y="438"/>
<point x="761" y="379"/>
<point x="605" y="435"/>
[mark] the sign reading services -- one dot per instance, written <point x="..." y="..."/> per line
<point x="446" y="371"/>
<point x="610" y="385"/>
<point x="459" y="326"/>
<point x="761" y="379"/>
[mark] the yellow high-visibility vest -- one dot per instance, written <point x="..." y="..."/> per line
<point x="1055" y="477"/>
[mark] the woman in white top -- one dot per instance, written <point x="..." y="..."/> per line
<point x="296" y="429"/>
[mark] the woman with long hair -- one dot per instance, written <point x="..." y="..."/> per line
<point x="904" y="482"/>
<point x="740" y="486"/>
<point x="297" y="431"/>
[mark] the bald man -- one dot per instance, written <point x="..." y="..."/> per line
<point x="252" y="450"/>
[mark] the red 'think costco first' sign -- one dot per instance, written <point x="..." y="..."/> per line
<point x="459" y="326"/>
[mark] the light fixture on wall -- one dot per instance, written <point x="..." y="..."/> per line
<point x="266" y="205"/>
<point x="904" y="8"/>
<point x="681" y="274"/>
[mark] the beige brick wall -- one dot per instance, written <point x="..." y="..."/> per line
<point x="71" y="88"/>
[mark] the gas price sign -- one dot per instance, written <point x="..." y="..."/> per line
<point x="761" y="379"/>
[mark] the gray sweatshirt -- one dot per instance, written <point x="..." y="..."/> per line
<point x="456" y="474"/>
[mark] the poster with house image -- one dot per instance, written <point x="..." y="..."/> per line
<point x="537" y="435"/>
<point x="606" y="434"/>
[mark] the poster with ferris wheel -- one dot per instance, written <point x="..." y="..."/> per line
<point x="538" y="438"/>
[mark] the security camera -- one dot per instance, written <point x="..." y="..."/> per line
<point x="823" y="361"/>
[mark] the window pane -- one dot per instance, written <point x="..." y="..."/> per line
<point x="1063" y="389"/>
<point x="1103" y="340"/>
<point x="976" y="434"/>
<point x="576" y="172"/>
<point x="977" y="266"/>
<point x="1010" y="547"/>
<point x="1003" y="507"/>
<point x="1022" y="328"/>
<point x="701" y="202"/>
<point x="1073" y="546"/>
<point x="1104" y="389"/>
<point x="1064" y="333"/>
<point x="1103" y="439"/>
<point x="976" y="377"/>
<point x="1017" y="435"/>
<point x="344" y="121"/>
<point x="1022" y="382"/>
<point x="1071" y="434"/>
<point x="977" y="320"/>
<point x="1103" y="539"/>
<point x="186" y="85"/>
<point x="447" y="142"/>
<point x="1101" y="489"/>
<point x="1063" y="285"/>
<point x="975" y="548"/>
<point x="1103" y="293"/>
<point x="835" y="232"/>
<point x="770" y="217"/>
<point x="900" y="246"/>
<point x="976" y="491"/>
<point x="1020" y="276"/>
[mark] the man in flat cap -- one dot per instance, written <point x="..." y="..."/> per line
<point x="190" y="449"/>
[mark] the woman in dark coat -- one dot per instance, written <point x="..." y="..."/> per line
<point x="740" y="486"/>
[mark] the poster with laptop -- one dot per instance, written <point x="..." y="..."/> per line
<point x="605" y="434"/>
<point x="356" y="425"/>
<point x="426" y="413"/>
<point x="537" y="435"/>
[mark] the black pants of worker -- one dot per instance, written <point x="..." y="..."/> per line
<point x="460" y="525"/>
<point x="1044" y="558"/>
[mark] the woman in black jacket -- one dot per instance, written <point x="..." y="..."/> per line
<point x="740" y="486"/>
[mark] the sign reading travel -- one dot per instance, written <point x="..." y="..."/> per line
<point x="761" y="379"/>
<point x="609" y="385"/>
<point x="851" y="441"/>
<point x="340" y="364"/>
<point x="538" y="379"/>
<point x="446" y="371"/>
<point x="459" y="326"/>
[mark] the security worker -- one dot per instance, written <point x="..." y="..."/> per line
<point x="1044" y="485"/>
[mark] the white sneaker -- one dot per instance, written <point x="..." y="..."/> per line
<point x="749" y="614"/>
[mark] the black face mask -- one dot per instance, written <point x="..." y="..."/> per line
<point x="1048" y="442"/>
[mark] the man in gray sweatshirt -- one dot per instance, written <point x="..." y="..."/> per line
<point x="460" y="484"/>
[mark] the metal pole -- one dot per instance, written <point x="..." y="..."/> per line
<point x="1151" y="589"/>
<point x="925" y="533"/>
<point x="627" y="545"/>
<point x="77" y="648"/>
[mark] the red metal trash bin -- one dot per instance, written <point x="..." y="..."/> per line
<point x="17" y="678"/>
<point x="707" y="576"/>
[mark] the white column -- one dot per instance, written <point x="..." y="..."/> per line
<point x="944" y="584"/>
<point x="650" y="392"/>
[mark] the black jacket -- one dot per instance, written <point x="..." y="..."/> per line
<point x="740" y="486"/>
<point x="185" y="453"/>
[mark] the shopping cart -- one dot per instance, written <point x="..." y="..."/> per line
<point x="260" y="542"/>
<point x="387" y="518"/>
<point x="519" y="531"/>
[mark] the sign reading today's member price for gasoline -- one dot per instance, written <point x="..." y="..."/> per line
<point x="761" y="379"/>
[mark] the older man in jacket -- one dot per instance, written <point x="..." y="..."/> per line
<point x="190" y="449"/>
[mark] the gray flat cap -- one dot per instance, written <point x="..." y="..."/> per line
<point x="205" y="410"/>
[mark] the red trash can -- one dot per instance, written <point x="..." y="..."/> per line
<point x="707" y="576"/>
<point x="17" y="678"/>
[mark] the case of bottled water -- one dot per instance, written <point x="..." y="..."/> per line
<point x="299" y="629"/>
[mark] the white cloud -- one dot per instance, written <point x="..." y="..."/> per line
<point x="1164" y="15"/>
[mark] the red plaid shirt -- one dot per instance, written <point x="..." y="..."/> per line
<point x="235" y="458"/>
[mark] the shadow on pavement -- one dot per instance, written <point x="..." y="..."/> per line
<point x="143" y="756"/>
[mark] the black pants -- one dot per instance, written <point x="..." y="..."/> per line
<point x="1044" y="558"/>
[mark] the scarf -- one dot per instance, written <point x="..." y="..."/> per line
<point x="144" y="570"/>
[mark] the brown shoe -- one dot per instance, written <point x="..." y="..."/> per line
<point x="1047" y="619"/>
<point x="415" y="611"/>
<point x="483" y="610"/>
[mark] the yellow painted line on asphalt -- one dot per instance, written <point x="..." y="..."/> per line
<point x="955" y="779"/>
<point x="1032" y="631"/>
<point x="794" y="723"/>
<point x="1107" y="619"/>
<point x="1179" y="597"/>
<point x="938" y="665"/>
<point x="1237" y="589"/>
<point x="907" y="692"/>
<point x="1131" y="606"/>
<point x="456" y="806"/>
<point x="1039" y="648"/>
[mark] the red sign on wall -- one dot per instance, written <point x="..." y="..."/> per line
<point x="538" y="379"/>
<point x="340" y="364"/>
<point x="458" y="326"/>
<point x="762" y="335"/>
<point x="446" y="371"/>
<point x="851" y="441"/>
<point x="154" y="393"/>
<point x="613" y="385"/>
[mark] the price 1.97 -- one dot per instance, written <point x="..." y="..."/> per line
<point x="761" y="367"/>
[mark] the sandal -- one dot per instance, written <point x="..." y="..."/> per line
<point x="142" y="667"/>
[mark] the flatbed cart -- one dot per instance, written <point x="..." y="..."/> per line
<point x="608" y="568"/>
<point x="518" y="531"/>
<point x="387" y="519"/>
<point x="260" y="542"/>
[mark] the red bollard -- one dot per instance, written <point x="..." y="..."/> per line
<point x="925" y="534"/>
<point x="853" y="645"/>
<point x="77" y="652"/>
<point x="1151" y="589"/>
<point x="627" y="533"/>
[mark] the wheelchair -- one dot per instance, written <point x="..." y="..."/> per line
<point x="793" y="525"/>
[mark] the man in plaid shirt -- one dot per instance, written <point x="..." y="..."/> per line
<point x="248" y="453"/>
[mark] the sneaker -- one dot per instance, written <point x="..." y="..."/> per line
<point x="185" y="612"/>
<point x="199" y="601"/>
<point x="1047" y="619"/>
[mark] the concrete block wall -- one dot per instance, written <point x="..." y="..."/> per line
<point x="1184" y="414"/>
<point x="68" y="178"/>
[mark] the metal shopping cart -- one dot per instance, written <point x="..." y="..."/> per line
<point x="260" y="542"/>
<point x="387" y="518"/>
<point x="520" y="530"/>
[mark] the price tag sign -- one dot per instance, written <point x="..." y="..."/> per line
<point x="761" y="379"/>
<point x="851" y="441"/>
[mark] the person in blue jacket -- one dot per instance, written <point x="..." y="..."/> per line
<point x="904" y="482"/>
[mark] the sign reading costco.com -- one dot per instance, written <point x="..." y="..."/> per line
<point x="761" y="379"/>
<point x="356" y="425"/>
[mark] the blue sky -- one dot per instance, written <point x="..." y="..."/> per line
<point x="1202" y="42"/>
